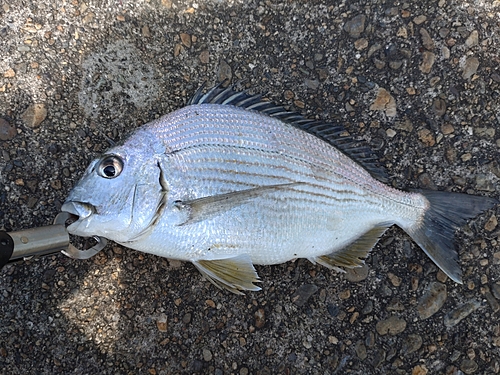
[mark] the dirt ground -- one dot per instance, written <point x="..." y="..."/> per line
<point x="418" y="80"/>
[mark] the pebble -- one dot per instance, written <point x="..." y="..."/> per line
<point x="432" y="300"/>
<point x="186" y="39"/>
<point x="391" y="326"/>
<point x="10" y="73"/>
<point x="473" y="39"/>
<point x="411" y="343"/>
<point x="439" y="107"/>
<point x="469" y="366"/>
<point x="357" y="274"/>
<point x="495" y="306"/>
<point x="186" y="318"/>
<point x="491" y="224"/>
<point x="34" y="115"/>
<point x="470" y="67"/>
<point x="426" y="137"/>
<point x="447" y="129"/>
<point x="7" y="130"/>
<point x="303" y="293"/>
<point x="428" y="59"/>
<point x="161" y="323"/>
<point x="418" y="20"/>
<point x="207" y="355"/>
<point x="224" y="73"/>
<point x="204" y="56"/>
<point x="495" y="288"/>
<point x="311" y="83"/>
<point x="355" y="26"/>
<point x="419" y="370"/>
<point x="384" y="102"/>
<point x="426" y="39"/>
<point x="260" y="318"/>
<point x="456" y="315"/>
<point x="361" y="44"/>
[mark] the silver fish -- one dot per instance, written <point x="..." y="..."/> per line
<point x="230" y="181"/>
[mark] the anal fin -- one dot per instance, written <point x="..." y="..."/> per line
<point x="234" y="274"/>
<point x="354" y="254"/>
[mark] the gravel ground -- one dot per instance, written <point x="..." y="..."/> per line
<point x="419" y="80"/>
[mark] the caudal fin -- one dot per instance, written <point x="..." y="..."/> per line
<point x="435" y="232"/>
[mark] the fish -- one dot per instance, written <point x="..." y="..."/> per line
<point x="231" y="180"/>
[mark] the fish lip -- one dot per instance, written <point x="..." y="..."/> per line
<point x="82" y="210"/>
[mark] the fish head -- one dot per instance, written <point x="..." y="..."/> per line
<point x="119" y="195"/>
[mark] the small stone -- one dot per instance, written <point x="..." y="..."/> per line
<point x="391" y="133"/>
<point x="468" y="366"/>
<point x="34" y="115"/>
<point x="495" y="288"/>
<point x="120" y="17"/>
<point x="7" y="130"/>
<point x="303" y="293"/>
<point x="360" y="349"/>
<point x="289" y="95"/>
<point x="145" y="31"/>
<point x="447" y="129"/>
<point x="395" y="280"/>
<point x="411" y="343"/>
<point x="384" y="102"/>
<point x="495" y="306"/>
<point x="210" y="303"/>
<point x="484" y="183"/>
<point x="299" y="103"/>
<point x="224" y="73"/>
<point x="426" y="39"/>
<point x="186" y="39"/>
<point x="469" y="67"/>
<point x="178" y="49"/>
<point x="473" y="39"/>
<point x="427" y="137"/>
<point x="186" y="318"/>
<point x="161" y="323"/>
<point x="361" y="44"/>
<point x="391" y="326"/>
<point x="455" y="316"/>
<point x="204" y="56"/>
<point x="379" y="64"/>
<point x="260" y="318"/>
<point x="311" y="83"/>
<point x="418" y="20"/>
<point x="419" y="370"/>
<point x="10" y="73"/>
<point x="402" y="32"/>
<point x="3" y="352"/>
<point x="167" y="3"/>
<point x="357" y="274"/>
<point x="491" y="224"/>
<point x="432" y="300"/>
<point x="355" y="26"/>
<point x="428" y="59"/>
<point x="439" y="107"/>
<point x="207" y="355"/>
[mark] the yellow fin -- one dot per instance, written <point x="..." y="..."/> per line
<point x="354" y="254"/>
<point x="234" y="274"/>
<point x="207" y="207"/>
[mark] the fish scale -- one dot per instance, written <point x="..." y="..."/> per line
<point x="230" y="181"/>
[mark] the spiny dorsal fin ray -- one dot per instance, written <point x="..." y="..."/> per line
<point x="329" y="132"/>
<point x="354" y="254"/>
<point x="234" y="274"/>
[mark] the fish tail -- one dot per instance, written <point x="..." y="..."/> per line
<point x="435" y="231"/>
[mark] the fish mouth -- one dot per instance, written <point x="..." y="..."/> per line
<point x="79" y="210"/>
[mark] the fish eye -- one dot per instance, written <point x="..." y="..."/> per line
<point x="110" y="167"/>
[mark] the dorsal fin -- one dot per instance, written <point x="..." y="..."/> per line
<point x="332" y="133"/>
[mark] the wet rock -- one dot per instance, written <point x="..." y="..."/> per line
<point x="473" y="39"/>
<point x="384" y="102"/>
<point x="428" y="59"/>
<point x="303" y="293"/>
<point x="357" y="274"/>
<point x="7" y="130"/>
<point x="469" y="67"/>
<point x="391" y="326"/>
<point x="427" y="41"/>
<point x="34" y="115"/>
<point x="411" y="344"/>
<point x="432" y="300"/>
<point x="355" y="26"/>
<point x="460" y="312"/>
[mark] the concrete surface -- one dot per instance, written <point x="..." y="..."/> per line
<point x="418" y="80"/>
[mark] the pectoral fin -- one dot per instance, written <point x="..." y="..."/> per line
<point x="354" y="254"/>
<point x="207" y="207"/>
<point x="234" y="274"/>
